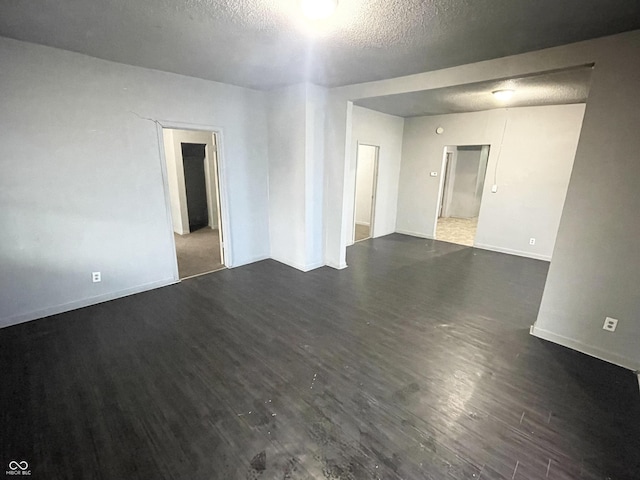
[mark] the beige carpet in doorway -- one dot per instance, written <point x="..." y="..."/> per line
<point x="198" y="252"/>
<point x="362" y="232"/>
<point x="457" y="230"/>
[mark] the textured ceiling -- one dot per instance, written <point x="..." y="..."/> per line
<point x="551" y="88"/>
<point x="266" y="44"/>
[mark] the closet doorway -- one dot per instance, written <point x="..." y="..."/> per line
<point x="194" y="189"/>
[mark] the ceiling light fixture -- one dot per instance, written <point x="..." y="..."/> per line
<point x="504" y="94"/>
<point x="318" y="9"/>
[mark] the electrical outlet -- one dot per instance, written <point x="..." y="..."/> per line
<point x="532" y="241"/>
<point x="494" y="188"/>
<point x="96" y="277"/>
<point x="434" y="174"/>
<point x="610" y="324"/>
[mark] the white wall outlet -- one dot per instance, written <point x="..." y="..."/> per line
<point x="532" y="241"/>
<point x="494" y="188"/>
<point x="434" y="174"/>
<point x="96" y="277"/>
<point x="610" y="324"/>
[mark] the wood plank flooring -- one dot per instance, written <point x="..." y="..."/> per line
<point x="413" y="363"/>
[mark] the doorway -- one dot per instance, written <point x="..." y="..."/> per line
<point x="464" y="170"/>
<point x="194" y="189"/>
<point x="365" y="199"/>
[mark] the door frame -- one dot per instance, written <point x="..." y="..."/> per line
<point x="215" y="167"/>
<point x="446" y="163"/>
<point x="223" y="197"/>
<point x="448" y="166"/>
<point x="374" y="193"/>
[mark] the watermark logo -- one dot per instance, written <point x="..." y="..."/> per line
<point x="18" y="468"/>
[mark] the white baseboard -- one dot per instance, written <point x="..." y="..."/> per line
<point x="340" y="266"/>
<point x="414" y="234"/>
<point x="520" y="253"/>
<point x="313" y="266"/>
<point x="306" y="267"/>
<point x="590" y="350"/>
<point x="247" y="261"/>
<point x="65" y="307"/>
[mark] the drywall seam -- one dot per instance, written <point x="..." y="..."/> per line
<point x="336" y="266"/>
<point x="607" y="356"/>
<point x="86" y="302"/>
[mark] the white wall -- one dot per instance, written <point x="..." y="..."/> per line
<point x="532" y="175"/>
<point x="595" y="270"/>
<point x="365" y="170"/>
<point x="81" y="187"/>
<point x="287" y="214"/>
<point x="315" y="143"/>
<point x="296" y="149"/>
<point x="173" y="138"/>
<point x="385" y="131"/>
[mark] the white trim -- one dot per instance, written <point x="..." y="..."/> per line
<point x="590" y="350"/>
<point x="299" y="266"/>
<point x="313" y="266"/>
<point x="85" y="302"/>
<point x="257" y="258"/>
<point x="337" y="267"/>
<point x="444" y="171"/>
<point x="363" y="223"/>
<point x="510" y="251"/>
<point x="414" y="234"/>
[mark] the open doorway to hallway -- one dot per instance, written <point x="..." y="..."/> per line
<point x="194" y="191"/>
<point x="366" y="181"/>
<point x="464" y="171"/>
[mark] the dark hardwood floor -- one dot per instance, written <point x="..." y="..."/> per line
<point x="413" y="363"/>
